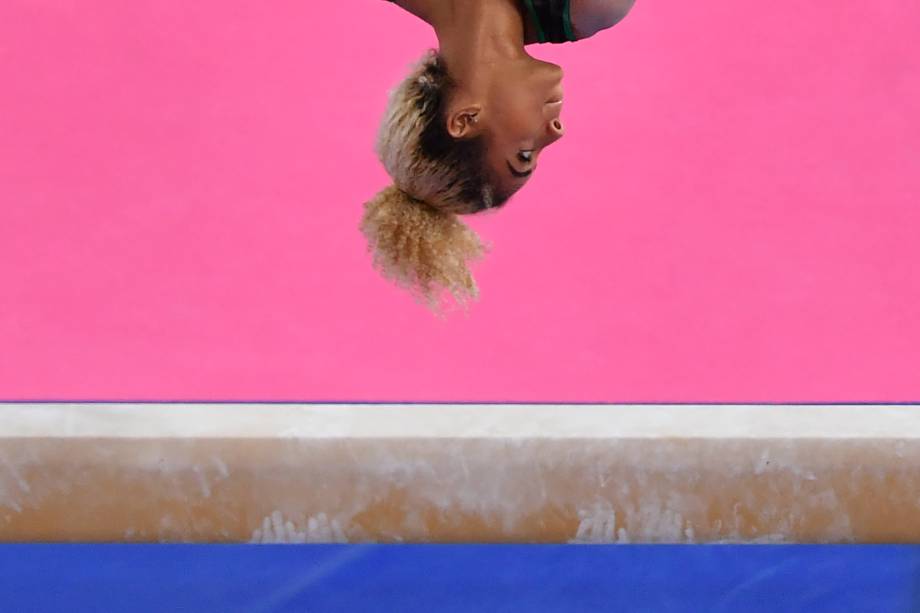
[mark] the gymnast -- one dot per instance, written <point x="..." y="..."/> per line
<point x="465" y="129"/>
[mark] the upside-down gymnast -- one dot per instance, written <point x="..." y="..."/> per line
<point x="464" y="131"/>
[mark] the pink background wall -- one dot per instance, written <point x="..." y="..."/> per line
<point x="732" y="216"/>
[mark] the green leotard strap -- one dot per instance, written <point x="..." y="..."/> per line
<point x="541" y="37"/>
<point x="567" y="21"/>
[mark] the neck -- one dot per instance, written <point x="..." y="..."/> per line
<point x="474" y="33"/>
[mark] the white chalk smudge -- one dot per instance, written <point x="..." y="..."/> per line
<point x="221" y="467"/>
<point x="652" y="522"/>
<point x="202" y="482"/>
<point x="13" y="486"/>
<point x="596" y="525"/>
<point x="14" y="472"/>
<point x="275" y="528"/>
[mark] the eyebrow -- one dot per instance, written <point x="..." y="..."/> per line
<point x="517" y="173"/>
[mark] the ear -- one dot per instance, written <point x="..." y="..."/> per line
<point x="463" y="122"/>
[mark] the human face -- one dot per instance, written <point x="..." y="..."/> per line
<point x="522" y="118"/>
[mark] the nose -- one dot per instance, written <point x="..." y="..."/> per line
<point x="556" y="130"/>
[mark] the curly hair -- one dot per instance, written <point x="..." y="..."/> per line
<point x="412" y="226"/>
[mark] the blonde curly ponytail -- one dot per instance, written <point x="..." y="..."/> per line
<point x="421" y="248"/>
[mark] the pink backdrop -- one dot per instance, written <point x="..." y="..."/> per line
<point x="732" y="216"/>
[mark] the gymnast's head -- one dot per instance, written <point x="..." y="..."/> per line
<point x="453" y="150"/>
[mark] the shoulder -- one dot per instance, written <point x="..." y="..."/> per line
<point x="591" y="16"/>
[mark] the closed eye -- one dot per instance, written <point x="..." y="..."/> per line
<point x="518" y="173"/>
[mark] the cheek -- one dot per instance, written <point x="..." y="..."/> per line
<point x="519" y="120"/>
<point x="529" y="123"/>
<point x="498" y="166"/>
